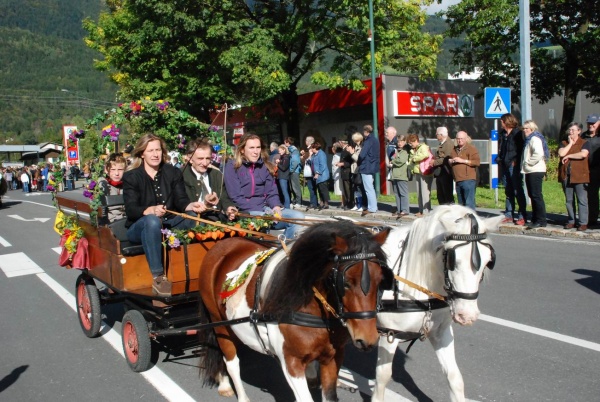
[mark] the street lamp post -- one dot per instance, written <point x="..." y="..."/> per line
<point x="373" y="81"/>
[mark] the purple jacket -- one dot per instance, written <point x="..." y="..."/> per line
<point x="251" y="187"/>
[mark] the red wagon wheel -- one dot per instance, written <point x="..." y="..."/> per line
<point x="136" y="341"/>
<point x="88" y="306"/>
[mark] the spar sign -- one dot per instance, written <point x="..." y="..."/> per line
<point x="432" y="104"/>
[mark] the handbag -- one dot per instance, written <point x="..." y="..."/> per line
<point x="307" y="170"/>
<point x="425" y="167"/>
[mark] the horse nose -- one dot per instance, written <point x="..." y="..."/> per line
<point x="466" y="319"/>
<point x="362" y="345"/>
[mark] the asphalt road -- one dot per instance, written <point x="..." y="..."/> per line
<point x="538" y="338"/>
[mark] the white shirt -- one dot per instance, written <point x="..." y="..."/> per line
<point x="204" y="178"/>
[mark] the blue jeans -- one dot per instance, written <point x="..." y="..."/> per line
<point x="285" y="191"/>
<point x="465" y="191"/>
<point x="25" y="187"/>
<point x="369" y="185"/>
<point x="146" y="231"/>
<point x="289" y="229"/>
<point x="513" y="189"/>
<point x="69" y="184"/>
<point x="45" y="185"/>
<point x="312" y="191"/>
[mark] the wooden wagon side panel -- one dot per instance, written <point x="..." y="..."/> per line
<point x="176" y="267"/>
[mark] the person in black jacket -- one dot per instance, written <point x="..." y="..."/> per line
<point x="510" y="150"/>
<point x="151" y="186"/>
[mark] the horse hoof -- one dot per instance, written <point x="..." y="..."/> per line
<point x="313" y="383"/>
<point x="227" y="392"/>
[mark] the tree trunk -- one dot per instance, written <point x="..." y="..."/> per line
<point x="570" y="95"/>
<point x="291" y="114"/>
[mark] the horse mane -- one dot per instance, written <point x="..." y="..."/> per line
<point x="422" y="262"/>
<point x="309" y="262"/>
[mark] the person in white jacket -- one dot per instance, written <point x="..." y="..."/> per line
<point x="533" y="167"/>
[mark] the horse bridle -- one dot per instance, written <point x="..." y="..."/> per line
<point x="338" y="274"/>
<point x="450" y="258"/>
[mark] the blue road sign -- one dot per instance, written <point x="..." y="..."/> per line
<point x="497" y="102"/>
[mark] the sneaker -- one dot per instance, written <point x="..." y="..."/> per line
<point x="358" y="209"/>
<point x="355" y="208"/>
<point x="507" y="220"/>
<point x="161" y="286"/>
<point x="520" y="222"/>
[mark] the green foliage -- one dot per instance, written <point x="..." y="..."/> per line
<point x="491" y="33"/>
<point x="249" y="52"/>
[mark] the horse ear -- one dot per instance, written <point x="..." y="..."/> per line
<point x="382" y="235"/>
<point x="492" y="224"/>
<point x="339" y="246"/>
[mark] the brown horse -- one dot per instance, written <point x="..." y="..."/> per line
<point x="309" y="304"/>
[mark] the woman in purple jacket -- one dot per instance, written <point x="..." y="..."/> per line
<point x="251" y="185"/>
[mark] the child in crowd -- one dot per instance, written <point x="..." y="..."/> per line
<point x="113" y="186"/>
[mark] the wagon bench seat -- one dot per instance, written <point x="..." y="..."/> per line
<point x="122" y="265"/>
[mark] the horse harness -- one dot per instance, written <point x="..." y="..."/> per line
<point x="428" y="305"/>
<point x="337" y="280"/>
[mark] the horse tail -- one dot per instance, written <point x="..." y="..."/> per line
<point x="211" y="364"/>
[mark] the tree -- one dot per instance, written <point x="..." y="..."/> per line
<point x="199" y="54"/>
<point x="491" y="31"/>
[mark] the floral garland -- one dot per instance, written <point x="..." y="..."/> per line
<point x="66" y="225"/>
<point x="176" y="127"/>
<point x="175" y="238"/>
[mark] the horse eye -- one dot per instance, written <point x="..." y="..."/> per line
<point x="346" y="285"/>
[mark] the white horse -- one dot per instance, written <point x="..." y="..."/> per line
<point x="446" y="252"/>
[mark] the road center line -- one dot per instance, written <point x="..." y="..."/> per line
<point x="155" y="376"/>
<point x="542" y="332"/>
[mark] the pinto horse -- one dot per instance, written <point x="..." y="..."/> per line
<point x="303" y="307"/>
<point x="446" y="252"/>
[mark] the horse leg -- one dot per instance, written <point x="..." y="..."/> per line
<point x="232" y="363"/>
<point x="312" y="374"/>
<point x="443" y="344"/>
<point x="329" y="376"/>
<point x="383" y="372"/>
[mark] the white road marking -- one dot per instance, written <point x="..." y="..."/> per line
<point x="155" y="376"/>
<point x="4" y="242"/>
<point x="542" y="332"/>
<point x="57" y="250"/>
<point x="18" y="264"/>
<point x="20" y="218"/>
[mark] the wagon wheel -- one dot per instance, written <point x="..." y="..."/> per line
<point x="88" y="306"/>
<point x="136" y="341"/>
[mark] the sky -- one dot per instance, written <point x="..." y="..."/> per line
<point x="434" y="8"/>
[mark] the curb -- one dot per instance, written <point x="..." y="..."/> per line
<point x="504" y="228"/>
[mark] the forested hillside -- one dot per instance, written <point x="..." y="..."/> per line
<point x="47" y="78"/>
<point x="46" y="74"/>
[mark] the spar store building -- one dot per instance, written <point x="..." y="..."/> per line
<point x="408" y="104"/>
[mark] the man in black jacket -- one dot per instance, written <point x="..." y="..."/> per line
<point x="510" y="151"/>
<point x="151" y="186"/>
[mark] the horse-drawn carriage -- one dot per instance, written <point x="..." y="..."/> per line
<point x="328" y="286"/>
<point x="122" y="270"/>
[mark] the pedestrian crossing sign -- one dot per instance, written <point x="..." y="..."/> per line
<point x="497" y="102"/>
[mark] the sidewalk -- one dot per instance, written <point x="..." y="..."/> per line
<point x="554" y="228"/>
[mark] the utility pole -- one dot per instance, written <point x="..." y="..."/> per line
<point x="525" y="59"/>
<point x="373" y="82"/>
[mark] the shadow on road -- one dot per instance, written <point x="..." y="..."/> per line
<point x="12" y="377"/>
<point x="592" y="280"/>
